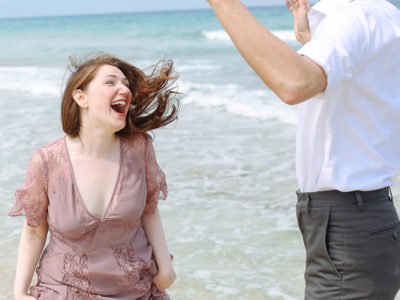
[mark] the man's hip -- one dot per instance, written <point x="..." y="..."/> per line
<point x="352" y="243"/>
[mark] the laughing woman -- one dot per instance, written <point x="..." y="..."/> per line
<point x="96" y="190"/>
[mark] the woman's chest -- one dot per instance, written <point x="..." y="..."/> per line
<point x="96" y="182"/>
<point x="69" y="213"/>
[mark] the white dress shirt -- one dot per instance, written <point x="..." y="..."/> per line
<point x="348" y="138"/>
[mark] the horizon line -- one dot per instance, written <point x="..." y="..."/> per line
<point x="124" y="13"/>
<point x="394" y="2"/>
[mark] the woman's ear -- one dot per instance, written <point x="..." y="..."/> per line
<point x="79" y="98"/>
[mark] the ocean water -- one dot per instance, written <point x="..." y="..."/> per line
<point x="229" y="159"/>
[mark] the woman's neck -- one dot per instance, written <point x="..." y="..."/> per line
<point x="95" y="143"/>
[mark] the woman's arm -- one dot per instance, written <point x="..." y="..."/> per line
<point x="153" y="228"/>
<point x="30" y="247"/>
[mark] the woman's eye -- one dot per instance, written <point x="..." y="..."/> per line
<point x="109" y="82"/>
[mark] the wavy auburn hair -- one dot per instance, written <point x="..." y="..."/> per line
<point x="152" y="94"/>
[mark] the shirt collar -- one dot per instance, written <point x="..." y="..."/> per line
<point x="328" y="6"/>
<point x="323" y="8"/>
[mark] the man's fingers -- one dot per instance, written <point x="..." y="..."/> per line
<point x="304" y="3"/>
<point x="292" y="3"/>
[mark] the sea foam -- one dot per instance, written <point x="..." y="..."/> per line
<point x="237" y="100"/>
<point x="31" y="79"/>
<point x="220" y="35"/>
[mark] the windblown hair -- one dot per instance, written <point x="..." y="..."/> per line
<point x="152" y="95"/>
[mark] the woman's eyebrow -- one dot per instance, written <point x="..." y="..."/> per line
<point x="117" y="77"/>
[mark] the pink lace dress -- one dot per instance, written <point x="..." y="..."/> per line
<point x="89" y="257"/>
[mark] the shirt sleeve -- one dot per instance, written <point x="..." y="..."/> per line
<point x="155" y="179"/>
<point x="31" y="200"/>
<point x="339" y="45"/>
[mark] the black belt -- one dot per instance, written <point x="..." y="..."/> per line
<point x="334" y="197"/>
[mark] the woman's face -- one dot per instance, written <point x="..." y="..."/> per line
<point x="108" y="99"/>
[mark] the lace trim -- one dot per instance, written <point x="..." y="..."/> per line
<point x="134" y="269"/>
<point x="31" y="200"/>
<point x="155" y="179"/>
<point x="157" y="295"/>
<point x="76" y="272"/>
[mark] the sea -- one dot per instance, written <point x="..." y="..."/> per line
<point x="229" y="158"/>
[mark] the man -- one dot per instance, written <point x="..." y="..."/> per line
<point x="346" y="78"/>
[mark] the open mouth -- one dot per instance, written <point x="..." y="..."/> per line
<point x="119" y="106"/>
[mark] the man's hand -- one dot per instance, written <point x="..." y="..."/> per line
<point x="293" y="77"/>
<point x="299" y="10"/>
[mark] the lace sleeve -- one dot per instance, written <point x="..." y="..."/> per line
<point x="31" y="200"/>
<point x="155" y="179"/>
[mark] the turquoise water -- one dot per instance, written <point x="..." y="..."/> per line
<point x="229" y="159"/>
<point x="138" y="36"/>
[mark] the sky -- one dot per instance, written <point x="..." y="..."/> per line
<point x="34" y="8"/>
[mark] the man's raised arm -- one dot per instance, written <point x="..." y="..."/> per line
<point x="294" y="78"/>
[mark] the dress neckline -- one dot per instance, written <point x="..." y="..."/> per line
<point x="111" y="200"/>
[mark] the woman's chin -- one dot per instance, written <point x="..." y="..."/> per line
<point x="119" y="127"/>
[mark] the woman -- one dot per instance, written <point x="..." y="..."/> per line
<point x="96" y="190"/>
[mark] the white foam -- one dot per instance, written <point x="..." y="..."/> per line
<point x="285" y="35"/>
<point x="197" y="67"/>
<point x="31" y="79"/>
<point x="237" y="100"/>
<point x="216" y="35"/>
<point x="221" y="35"/>
<point x="274" y="292"/>
<point x="202" y="274"/>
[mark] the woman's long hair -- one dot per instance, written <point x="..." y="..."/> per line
<point x="153" y="96"/>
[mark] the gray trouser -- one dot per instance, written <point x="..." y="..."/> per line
<point x="352" y="243"/>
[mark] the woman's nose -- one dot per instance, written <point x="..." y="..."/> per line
<point x="124" y="90"/>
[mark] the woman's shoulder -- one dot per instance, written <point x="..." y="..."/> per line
<point x="137" y="141"/>
<point x="134" y="147"/>
<point x="54" y="145"/>
<point x="52" y="149"/>
<point x="41" y="159"/>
